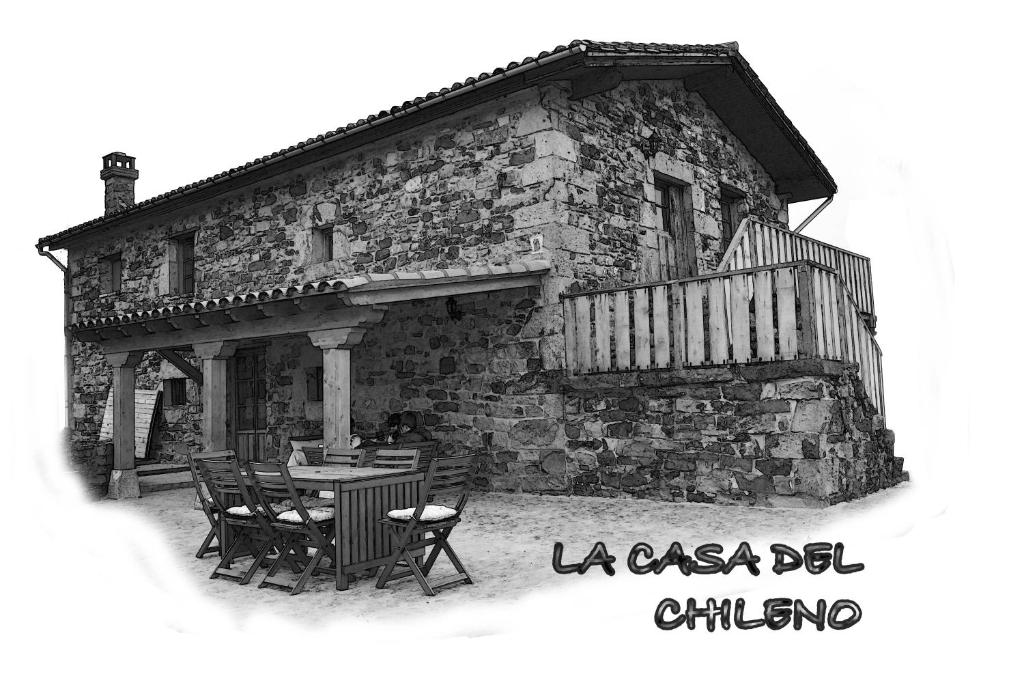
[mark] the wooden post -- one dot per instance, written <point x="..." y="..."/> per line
<point x="124" y="481"/>
<point x="337" y="347"/>
<point x="214" y="356"/>
<point x="807" y="341"/>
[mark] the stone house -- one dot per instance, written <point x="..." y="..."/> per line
<point x="578" y="267"/>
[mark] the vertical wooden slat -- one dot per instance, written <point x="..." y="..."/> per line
<point x="717" y="321"/>
<point x="758" y="259"/>
<point x="642" y="327"/>
<point x="785" y="285"/>
<point x="583" y="346"/>
<point x="740" y="319"/>
<point x="695" y="322"/>
<point x="622" y="341"/>
<point x="602" y="333"/>
<point x="679" y="324"/>
<point x="569" y="314"/>
<point x="662" y="349"/>
<point x="763" y="315"/>
<point x="819" y="322"/>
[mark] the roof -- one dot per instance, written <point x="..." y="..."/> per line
<point x="735" y="110"/>
<point x="392" y="286"/>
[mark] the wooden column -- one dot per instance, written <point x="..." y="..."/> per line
<point x="337" y="347"/>
<point x="124" y="481"/>
<point x="214" y="356"/>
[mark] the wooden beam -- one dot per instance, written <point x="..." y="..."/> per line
<point x="414" y="292"/>
<point x="175" y="359"/>
<point x="276" y="309"/>
<point x="254" y="329"/>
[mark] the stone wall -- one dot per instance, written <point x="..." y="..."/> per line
<point x="791" y="433"/>
<point x="617" y="141"/>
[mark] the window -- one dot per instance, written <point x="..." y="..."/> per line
<point x="110" y="274"/>
<point x="182" y="263"/>
<point x="734" y="209"/>
<point x="323" y="244"/>
<point x="673" y="202"/>
<point x="174" y="392"/>
<point x="315" y="384"/>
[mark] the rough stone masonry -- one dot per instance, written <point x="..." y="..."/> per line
<point x="470" y="189"/>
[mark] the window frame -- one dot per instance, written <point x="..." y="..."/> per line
<point x="111" y="273"/>
<point x="323" y="244"/>
<point x="677" y="195"/>
<point x="736" y="201"/>
<point x="172" y="387"/>
<point x="182" y="263"/>
<point x="315" y="383"/>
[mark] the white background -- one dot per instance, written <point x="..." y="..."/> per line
<point x="914" y="110"/>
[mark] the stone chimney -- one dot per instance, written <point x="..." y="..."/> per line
<point x="118" y="175"/>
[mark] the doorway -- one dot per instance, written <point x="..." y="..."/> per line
<point x="250" y="404"/>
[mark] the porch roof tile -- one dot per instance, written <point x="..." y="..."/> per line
<point x="367" y="282"/>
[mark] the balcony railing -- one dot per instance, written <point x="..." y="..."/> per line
<point x="759" y="244"/>
<point x="779" y="312"/>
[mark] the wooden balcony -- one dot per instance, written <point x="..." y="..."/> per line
<point x="759" y="244"/>
<point x="799" y="309"/>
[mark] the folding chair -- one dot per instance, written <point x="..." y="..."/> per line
<point x="446" y="478"/>
<point x="396" y="459"/>
<point x="348" y="457"/>
<point x="253" y="533"/>
<point x="304" y="525"/>
<point x="314" y="455"/>
<point x="209" y="505"/>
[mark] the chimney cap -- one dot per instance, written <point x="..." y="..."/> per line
<point x="118" y="164"/>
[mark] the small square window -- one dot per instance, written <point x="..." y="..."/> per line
<point x="734" y="209"/>
<point x="110" y="274"/>
<point x="315" y="384"/>
<point x="174" y="392"/>
<point x="323" y="244"/>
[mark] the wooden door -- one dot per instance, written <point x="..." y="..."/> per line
<point x="250" y="405"/>
<point x="670" y="250"/>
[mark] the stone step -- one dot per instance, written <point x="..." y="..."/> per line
<point x="160" y="468"/>
<point x="165" y="482"/>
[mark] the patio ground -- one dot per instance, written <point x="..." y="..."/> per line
<point x="506" y="542"/>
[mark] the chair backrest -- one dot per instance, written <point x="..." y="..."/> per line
<point x="225" y="482"/>
<point x="273" y="484"/>
<point x="349" y="457"/>
<point x="314" y="455"/>
<point x="197" y="480"/>
<point x="396" y="459"/>
<point x="448" y="478"/>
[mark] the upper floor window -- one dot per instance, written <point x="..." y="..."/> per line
<point x="182" y="263"/>
<point x="323" y="244"/>
<point x="110" y="274"/>
<point x="734" y="210"/>
<point x="676" y="248"/>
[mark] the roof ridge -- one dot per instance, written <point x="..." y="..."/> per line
<point x="413" y="105"/>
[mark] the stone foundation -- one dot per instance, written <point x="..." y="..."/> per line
<point x="796" y="433"/>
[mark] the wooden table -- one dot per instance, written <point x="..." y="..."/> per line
<point x="362" y="496"/>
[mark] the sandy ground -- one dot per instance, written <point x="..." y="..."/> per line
<point x="505" y="541"/>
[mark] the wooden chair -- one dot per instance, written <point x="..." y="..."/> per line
<point x="348" y="457"/>
<point x="303" y="525"/>
<point x="252" y="532"/>
<point x="314" y="455"/>
<point x="210" y="507"/>
<point x="396" y="458"/>
<point x="447" y="478"/>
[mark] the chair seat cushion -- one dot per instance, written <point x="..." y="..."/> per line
<point x="431" y="513"/>
<point x="243" y="511"/>
<point x="316" y="514"/>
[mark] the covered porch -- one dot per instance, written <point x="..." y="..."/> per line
<point x="330" y="318"/>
